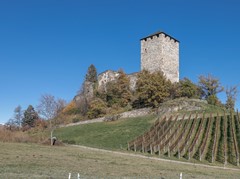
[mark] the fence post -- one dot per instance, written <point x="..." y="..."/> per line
<point x="159" y="152"/>
<point x="212" y="156"/>
<point x="189" y="154"/>
<point x="237" y="159"/>
<point x="78" y="176"/>
<point x="69" y="176"/>
<point x="169" y="155"/>
<point x="200" y="155"/>
<point x="179" y="154"/>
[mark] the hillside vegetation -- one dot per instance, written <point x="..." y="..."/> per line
<point x="192" y="136"/>
<point x="212" y="138"/>
<point x="109" y="135"/>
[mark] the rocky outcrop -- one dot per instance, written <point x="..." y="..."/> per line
<point x="87" y="92"/>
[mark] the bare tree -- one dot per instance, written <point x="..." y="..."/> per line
<point x="18" y="115"/>
<point x="61" y="104"/>
<point x="16" y="121"/>
<point x="210" y="87"/>
<point x="231" y="94"/>
<point x="49" y="108"/>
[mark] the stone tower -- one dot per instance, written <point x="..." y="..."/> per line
<point x="160" y="52"/>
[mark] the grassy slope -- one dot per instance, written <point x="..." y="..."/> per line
<point x="109" y="135"/>
<point x="37" y="161"/>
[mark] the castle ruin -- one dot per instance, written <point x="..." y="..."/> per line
<point x="159" y="52"/>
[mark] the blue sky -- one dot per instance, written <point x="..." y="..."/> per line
<point x="46" y="46"/>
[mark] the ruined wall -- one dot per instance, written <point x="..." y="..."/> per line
<point x="106" y="77"/>
<point x="110" y="75"/>
<point x="133" y="80"/>
<point x="160" y="52"/>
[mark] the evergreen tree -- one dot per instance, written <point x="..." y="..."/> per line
<point x="91" y="75"/>
<point x="30" y="117"/>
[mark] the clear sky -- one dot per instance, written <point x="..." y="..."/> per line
<point x="46" y="46"/>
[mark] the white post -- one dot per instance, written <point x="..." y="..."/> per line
<point x="78" y="176"/>
<point x="180" y="175"/>
<point x="69" y="176"/>
<point x="51" y="137"/>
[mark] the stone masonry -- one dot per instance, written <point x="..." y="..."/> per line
<point x="160" y="52"/>
<point x="105" y="77"/>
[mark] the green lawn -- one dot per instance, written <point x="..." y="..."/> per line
<point x="108" y="135"/>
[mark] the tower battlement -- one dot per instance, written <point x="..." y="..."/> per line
<point x="160" y="52"/>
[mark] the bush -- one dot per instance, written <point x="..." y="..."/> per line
<point x="71" y="108"/>
<point x="97" y="108"/>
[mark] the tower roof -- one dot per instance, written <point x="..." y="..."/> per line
<point x="158" y="33"/>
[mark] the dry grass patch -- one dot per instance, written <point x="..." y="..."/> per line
<point x="37" y="161"/>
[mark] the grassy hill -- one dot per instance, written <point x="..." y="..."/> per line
<point x="108" y="135"/>
<point x="205" y="137"/>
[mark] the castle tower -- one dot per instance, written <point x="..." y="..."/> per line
<point x="160" y="51"/>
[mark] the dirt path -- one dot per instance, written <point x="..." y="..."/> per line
<point x="154" y="158"/>
<point x="84" y="122"/>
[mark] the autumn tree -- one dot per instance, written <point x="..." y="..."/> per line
<point x="152" y="89"/>
<point x="231" y="94"/>
<point x="175" y="90"/>
<point x="97" y="108"/>
<point x="210" y="87"/>
<point x="188" y="89"/>
<point x="118" y="91"/>
<point x="30" y="116"/>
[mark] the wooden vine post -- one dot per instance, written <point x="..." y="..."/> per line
<point x="234" y="139"/>
<point x="200" y="155"/>
<point x="225" y="140"/>
<point x="179" y="154"/>
<point x="159" y="151"/>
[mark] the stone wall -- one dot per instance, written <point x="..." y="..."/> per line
<point x="160" y="52"/>
<point x="130" y="114"/>
<point x="181" y="104"/>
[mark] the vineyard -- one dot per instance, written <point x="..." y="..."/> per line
<point x="213" y="138"/>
